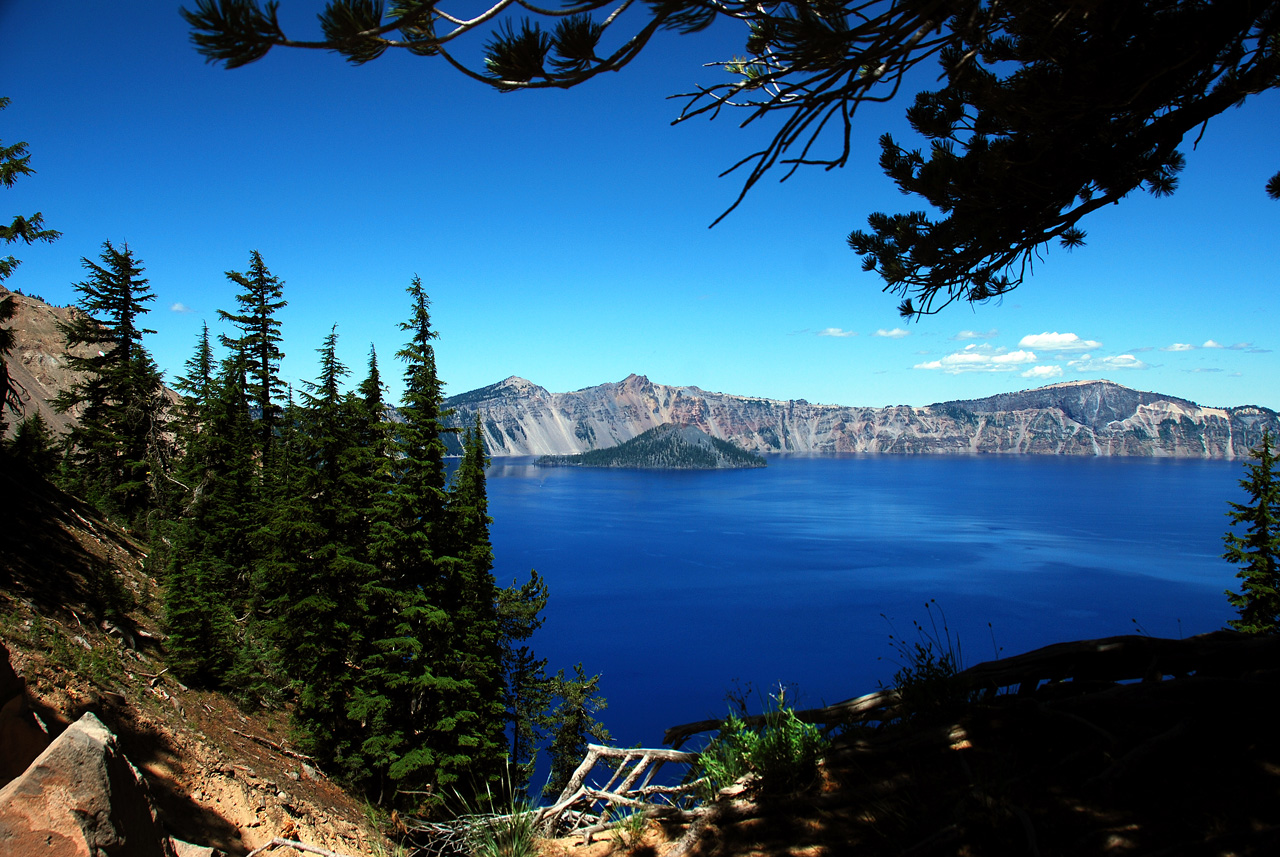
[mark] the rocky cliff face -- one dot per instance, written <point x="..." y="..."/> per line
<point x="1076" y="418"/>
<point x="38" y="361"/>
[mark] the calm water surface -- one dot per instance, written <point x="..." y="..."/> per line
<point x="675" y="586"/>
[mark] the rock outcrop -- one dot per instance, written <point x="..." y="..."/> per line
<point x="1077" y="418"/>
<point x="21" y="737"/>
<point x="38" y="361"/>
<point x="81" y="798"/>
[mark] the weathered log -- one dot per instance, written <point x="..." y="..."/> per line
<point x="626" y="794"/>
<point x="279" y="748"/>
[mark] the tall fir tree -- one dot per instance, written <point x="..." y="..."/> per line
<point x="118" y="446"/>
<point x="259" y="342"/>
<point x="319" y="569"/>
<point x="1257" y="552"/>
<point x="469" y="596"/>
<point x="209" y="573"/>
<point x="404" y="687"/>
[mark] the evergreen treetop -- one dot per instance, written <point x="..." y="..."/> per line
<point x="118" y="446"/>
<point x="259" y="340"/>
<point x="1257" y="551"/>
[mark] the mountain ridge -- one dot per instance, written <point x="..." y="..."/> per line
<point x="1084" y="418"/>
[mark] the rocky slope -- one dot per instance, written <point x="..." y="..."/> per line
<point x="38" y="361"/>
<point x="78" y="618"/>
<point x="1074" y="418"/>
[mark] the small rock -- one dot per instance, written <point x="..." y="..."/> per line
<point x="186" y="849"/>
<point x="293" y="775"/>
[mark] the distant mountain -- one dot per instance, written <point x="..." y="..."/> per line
<point x="520" y="418"/>
<point x="1075" y="418"/>
<point x="667" y="447"/>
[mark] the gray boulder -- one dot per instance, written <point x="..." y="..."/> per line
<point x="81" y="798"/>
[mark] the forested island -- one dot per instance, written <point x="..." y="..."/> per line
<point x="667" y="447"/>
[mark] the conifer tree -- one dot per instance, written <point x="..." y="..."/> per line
<point x="403" y="687"/>
<point x="1258" y="550"/>
<point x="469" y="597"/>
<point x="574" y="727"/>
<point x="259" y="341"/>
<point x="210" y="562"/>
<point x="34" y="443"/>
<point x="375" y="436"/>
<point x="319" y="569"/>
<point x="528" y="690"/>
<point x="119" y="438"/>
<point x="197" y="385"/>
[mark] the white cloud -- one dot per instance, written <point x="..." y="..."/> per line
<point x="980" y="358"/>
<point x="1203" y="369"/>
<point x="976" y="334"/>
<point x="896" y="333"/>
<point x="180" y="307"/>
<point x="1043" y="372"/>
<point x="1183" y="346"/>
<point x="1057" y="342"/>
<point x="1102" y="364"/>
<point x="1239" y="346"/>
<point x="835" y="331"/>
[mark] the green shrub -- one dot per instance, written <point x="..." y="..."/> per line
<point x="511" y="835"/>
<point x="489" y="824"/>
<point x="726" y="757"/>
<point x="928" y="666"/>
<point x="783" y="754"/>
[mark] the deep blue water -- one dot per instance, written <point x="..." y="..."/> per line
<point x="674" y="586"/>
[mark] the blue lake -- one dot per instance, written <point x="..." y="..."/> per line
<point x="675" y="586"/>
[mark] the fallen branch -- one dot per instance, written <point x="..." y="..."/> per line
<point x="153" y="677"/>
<point x="625" y="794"/>
<point x="279" y="748"/>
<point x="300" y="846"/>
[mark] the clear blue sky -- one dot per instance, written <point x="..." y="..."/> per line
<point x="563" y="236"/>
